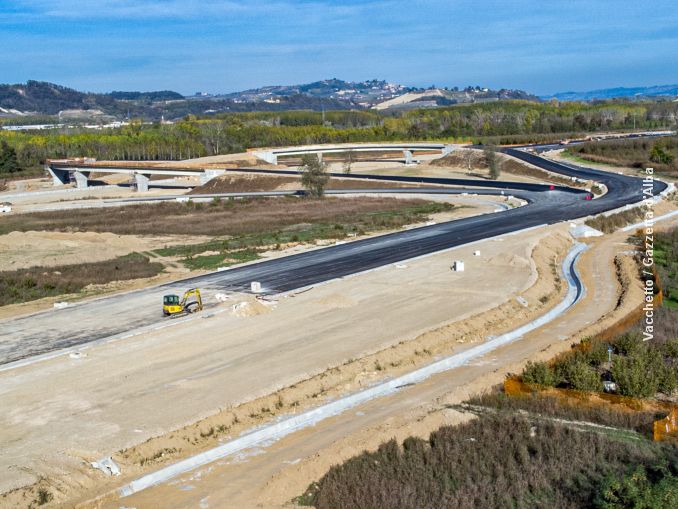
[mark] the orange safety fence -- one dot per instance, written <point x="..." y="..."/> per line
<point x="666" y="428"/>
<point x="663" y="429"/>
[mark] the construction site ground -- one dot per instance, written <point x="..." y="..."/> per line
<point x="65" y="411"/>
<point x="273" y="476"/>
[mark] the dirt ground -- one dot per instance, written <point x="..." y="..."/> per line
<point x="19" y="250"/>
<point x="297" y="338"/>
<point x="271" y="477"/>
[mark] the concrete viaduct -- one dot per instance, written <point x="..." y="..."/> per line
<point x="64" y="171"/>
<point x="408" y="149"/>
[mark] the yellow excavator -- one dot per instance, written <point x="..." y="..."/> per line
<point x="189" y="303"/>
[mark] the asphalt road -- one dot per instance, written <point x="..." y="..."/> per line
<point x="85" y="322"/>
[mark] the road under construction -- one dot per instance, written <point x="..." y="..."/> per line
<point x="45" y="335"/>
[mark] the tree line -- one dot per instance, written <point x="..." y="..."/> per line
<point x="490" y="123"/>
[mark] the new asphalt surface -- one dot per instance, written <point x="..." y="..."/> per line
<point x="117" y="315"/>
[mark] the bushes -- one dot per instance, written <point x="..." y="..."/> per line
<point x="643" y="373"/>
<point x="24" y="285"/>
<point x="638" y="490"/>
<point x="580" y="375"/>
<point x="612" y="222"/>
<point x="659" y="153"/>
<point x="641" y="369"/>
<point x="494" y="462"/>
<point x="539" y="373"/>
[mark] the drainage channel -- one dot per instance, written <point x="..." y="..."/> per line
<point x="276" y="431"/>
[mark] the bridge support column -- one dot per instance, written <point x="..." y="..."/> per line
<point x="320" y="157"/>
<point x="81" y="179"/>
<point x="59" y="177"/>
<point x="408" y="156"/>
<point x="267" y="156"/>
<point x="208" y="175"/>
<point x="142" y="182"/>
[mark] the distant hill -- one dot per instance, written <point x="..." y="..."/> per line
<point x="39" y="99"/>
<point x="162" y="95"/>
<point x="353" y="94"/>
<point x="435" y="97"/>
<point x="618" y="92"/>
<point x="42" y="98"/>
<point x="378" y="94"/>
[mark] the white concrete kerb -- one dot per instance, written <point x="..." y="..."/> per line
<point x="276" y="431"/>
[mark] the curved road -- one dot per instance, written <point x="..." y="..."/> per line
<point x="82" y="323"/>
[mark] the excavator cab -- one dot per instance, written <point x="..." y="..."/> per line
<point x="190" y="302"/>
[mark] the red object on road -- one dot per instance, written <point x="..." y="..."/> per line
<point x="589" y="197"/>
<point x="552" y="187"/>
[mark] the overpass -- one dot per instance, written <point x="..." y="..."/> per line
<point x="271" y="155"/>
<point x="65" y="171"/>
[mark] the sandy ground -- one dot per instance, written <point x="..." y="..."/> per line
<point x="19" y="250"/>
<point x="271" y="477"/>
<point x="66" y="411"/>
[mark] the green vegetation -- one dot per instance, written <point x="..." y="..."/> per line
<point x="495" y="123"/>
<point x="8" y="159"/>
<point x="501" y="461"/>
<point x="666" y="260"/>
<point x="658" y="153"/>
<point x="639" y="368"/>
<point x="492" y="162"/>
<point x="248" y="246"/>
<point x="314" y="176"/>
<point x="641" y="489"/>
<point x="33" y="283"/>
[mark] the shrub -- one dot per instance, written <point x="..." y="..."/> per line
<point x="539" y="373"/>
<point x="641" y="374"/>
<point x="638" y="490"/>
<point x="582" y="376"/>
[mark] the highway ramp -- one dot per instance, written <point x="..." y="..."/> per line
<point x="108" y="317"/>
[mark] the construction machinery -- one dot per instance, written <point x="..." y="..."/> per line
<point x="189" y="303"/>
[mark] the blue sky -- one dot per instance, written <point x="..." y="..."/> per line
<point x="219" y="46"/>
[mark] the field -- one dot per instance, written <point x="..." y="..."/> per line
<point x="219" y="217"/>
<point x="660" y="154"/>
<point x="248" y="246"/>
<point x="37" y="282"/>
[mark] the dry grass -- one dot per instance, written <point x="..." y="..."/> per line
<point x="244" y="184"/>
<point x="253" y="182"/>
<point x="37" y="282"/>
<point x="612" y="222"/>
<point x="217" y="218"/>
<point x="508" y="165"/>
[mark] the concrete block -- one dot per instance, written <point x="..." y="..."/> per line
<point x="141" y="182"/>
<point x="255" y="286"/>
<point x="458" y="266"/>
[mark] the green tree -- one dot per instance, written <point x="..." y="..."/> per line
<point x="639" y="375"/>
<point x="539" y="373"/>
<point x="8" y="159"/>
<point x="492" y="161"/>
<point x="660" y="155"/>
<point x="314" y="176"/>
<point x="636" y="491"/>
